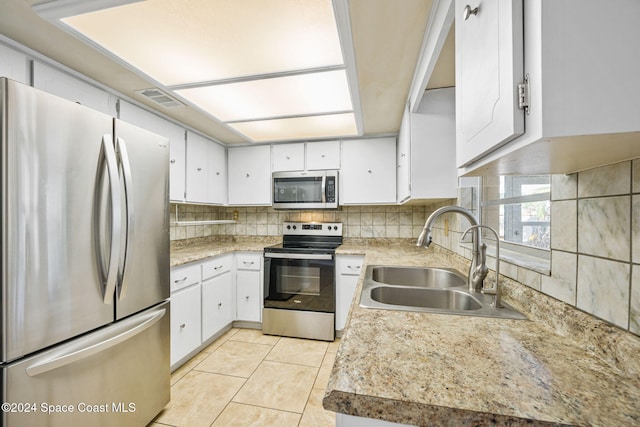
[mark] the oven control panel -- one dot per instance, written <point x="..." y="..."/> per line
<point x="312" y="228"/>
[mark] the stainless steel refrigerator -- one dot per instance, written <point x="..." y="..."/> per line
<point x="85" y="265"/>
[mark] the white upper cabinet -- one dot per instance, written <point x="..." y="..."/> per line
<point x="217" y="189"/>
<point x="582" y="61"/>
<point x="323" y="155"/>
<point x="287" y="157"/>
<point x="13" y="65"/>
<point x="427" y="149"/>
<point x="368" y="174"/>
<point x="206" y="171"/>
<point x="489" y="65"/>
<point x="176" y="134"/>
<point x="249" y="175"/>
<point x="197" y="168"/>
<point x="66" y="86"/>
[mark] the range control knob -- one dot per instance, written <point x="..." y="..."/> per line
<point x="288" y="227"/>
<point x="294" y="227"/>
<point x="335" y="227"/>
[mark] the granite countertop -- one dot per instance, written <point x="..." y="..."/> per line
<point x="561" y="366"/>
<point x="436" y="370"/>
<point x="191" y="250"/>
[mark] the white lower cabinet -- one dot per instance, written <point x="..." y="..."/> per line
<point x="185" y="322"/>
<point x="249" y="287"/>
<point x="218" y="307"/>
<point x="208" y="296"/>
<point x="348" y="269"/>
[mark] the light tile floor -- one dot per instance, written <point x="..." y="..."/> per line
<point x="248" y="379"/>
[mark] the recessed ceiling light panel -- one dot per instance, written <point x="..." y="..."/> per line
<point x="299" y="128"/>
<point x="305" y="94"/>
<point x="186" y="41"/>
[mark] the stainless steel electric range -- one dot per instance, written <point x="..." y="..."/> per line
<point x="299" y="285"/>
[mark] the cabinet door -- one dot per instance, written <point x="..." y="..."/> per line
<point x="249" y="175"/>
<point x="217" y="304"/>
<point x="176" y="134"/>
<point x="404" y="154"/>
<point x="13" y="65"/>
<point x="368" y="173"/>
<point x="197" y="168"/>
<point x="323" y="155"/>
<point x="249" y="303"/>
<point x="185" y="322"/>
<point x="348" y="270"/>
<point x="217" y="187"/>
<point x="66" y="86"/>
<point x="287" y="157"/>
<point x="489" y="66"/>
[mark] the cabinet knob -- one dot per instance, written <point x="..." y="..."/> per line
<point x="248" y="175"/>
<point x="369" y="171"/>
<point x="288" y="157"/>
<point x="219" y="305"/>
<point x="247" y="297"/>
<point x="466" y="14"/>
<point x="217" y="173"/>
<point x="199" y="169"/>
<point x="173" y="161"/>
<point x="322" y="155"/>
<point x="184" y="325"/>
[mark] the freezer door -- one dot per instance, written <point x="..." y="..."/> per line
<point x="144" y="263"/>
<point x="52" y="287"/>
<point x="116" y="376"/>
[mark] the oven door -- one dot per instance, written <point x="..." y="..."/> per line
<point x="300" y="281"/>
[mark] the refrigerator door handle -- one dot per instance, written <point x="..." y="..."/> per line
<point x="125" y="254"/>
<point x="94" y="345"/>
<point x="116" y="221"/>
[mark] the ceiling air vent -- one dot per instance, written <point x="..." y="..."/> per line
<point x="160" y="97"/>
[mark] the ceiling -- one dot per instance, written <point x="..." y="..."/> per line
<point x="386" y="37"/>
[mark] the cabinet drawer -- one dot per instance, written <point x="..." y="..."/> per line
<point x="216" y="266"/>
<point x="181" y="277"/>
<point x="349" y="266"/>
<point x="248" y="261"/>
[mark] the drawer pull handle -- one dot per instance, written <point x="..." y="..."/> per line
<point x="357" y="267"/>
<point x="218" y="267"/>
<point x="179" y="281"/>
<point x="248" y="262"/>
<point x="184" y="325"/>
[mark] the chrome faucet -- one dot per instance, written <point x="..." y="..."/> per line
<point x="478" y="269"/>
<point x="495" y="289"/>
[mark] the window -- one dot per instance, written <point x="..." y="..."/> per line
<point x="518" y="207"/>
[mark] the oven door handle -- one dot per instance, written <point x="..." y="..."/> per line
<point x="297" y="256"/>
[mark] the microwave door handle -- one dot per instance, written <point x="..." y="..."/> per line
<point x="324" y="189"/>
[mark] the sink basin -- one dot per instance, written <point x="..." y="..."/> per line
<point x="445" y="299"/>
<point x="417" y="276"/>
<point x="425" y="289"/>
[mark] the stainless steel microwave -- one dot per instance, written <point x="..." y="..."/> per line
<point x="305" y="190"/>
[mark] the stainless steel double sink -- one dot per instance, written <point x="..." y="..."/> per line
<point x="426" y="289"/>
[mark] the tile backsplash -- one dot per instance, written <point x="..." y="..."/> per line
<point x="595" y="244"/>
<point x="358" y="221"/>
<point x="595" y="236"/>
